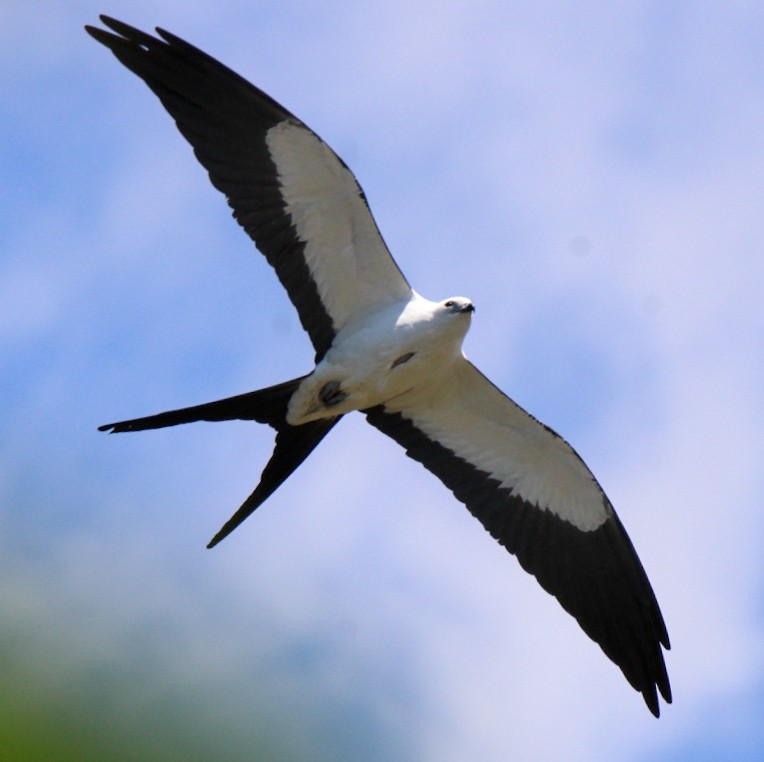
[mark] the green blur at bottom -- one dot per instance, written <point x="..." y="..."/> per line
<point x="55" y="709"/>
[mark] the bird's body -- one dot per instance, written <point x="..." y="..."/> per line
<point x="386" y="351"/>
<point x="384" y="355"/>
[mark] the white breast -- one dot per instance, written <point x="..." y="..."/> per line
<point x="365" y="358"/>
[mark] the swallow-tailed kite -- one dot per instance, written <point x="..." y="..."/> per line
<point x="388" y="352"/>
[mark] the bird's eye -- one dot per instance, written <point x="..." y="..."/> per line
<point x="449" y="303"/>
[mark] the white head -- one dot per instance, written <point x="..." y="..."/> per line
<point x="458" y="305"/>
<point x="450" y="317"/>
<point x="454" y="316"/>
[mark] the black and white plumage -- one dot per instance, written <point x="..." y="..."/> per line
<point x="384" y="350"/>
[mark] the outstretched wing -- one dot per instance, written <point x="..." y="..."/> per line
<point x="536" y="496"/>
<point x="293" y="195"/>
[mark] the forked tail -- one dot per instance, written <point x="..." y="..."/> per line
<point x="293" y="443"/>
<point x="264" y="406"/>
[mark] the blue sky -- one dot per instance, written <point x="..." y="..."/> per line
<point x="590" y="176"/>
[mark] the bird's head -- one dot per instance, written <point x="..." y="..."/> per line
<point x="458" y="305"/>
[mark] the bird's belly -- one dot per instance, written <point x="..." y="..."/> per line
<point x="339" y="388"/>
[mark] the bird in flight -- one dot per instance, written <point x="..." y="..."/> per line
<point x="384" y="350"/>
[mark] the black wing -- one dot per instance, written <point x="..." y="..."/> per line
<point x="290" y="192"/>
<point x="535" y="495"/>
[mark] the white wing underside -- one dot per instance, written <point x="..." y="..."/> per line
<point x="476" y="421"/>
<point x="344" y="251"/>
